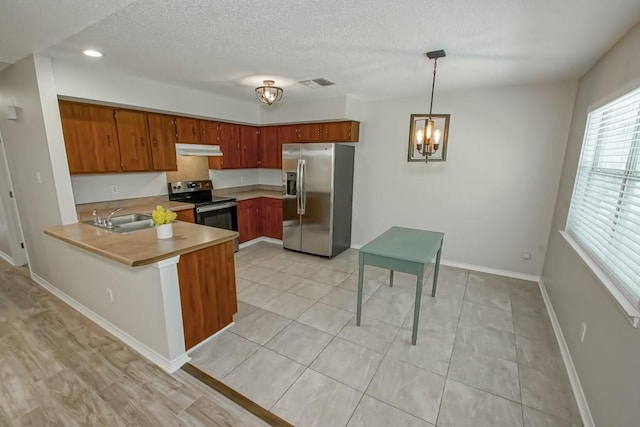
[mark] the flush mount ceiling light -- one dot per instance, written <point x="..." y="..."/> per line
<point x="92" y="53"/>
<point x="426" y="131"/>
<point x="269" y="94"/>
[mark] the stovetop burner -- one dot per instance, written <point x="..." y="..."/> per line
<point x="197" y="192"/>
<point x="215" y="200"/>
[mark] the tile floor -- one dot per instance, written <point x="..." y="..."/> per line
<point x="486" y="354"/>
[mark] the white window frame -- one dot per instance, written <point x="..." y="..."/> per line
<point x="598" y="259"/>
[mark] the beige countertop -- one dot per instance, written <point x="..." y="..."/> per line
<point x="140" y="247"/>
<point x="251" y="192"/>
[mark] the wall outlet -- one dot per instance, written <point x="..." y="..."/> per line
<point x="110" y="294"/>
<point x="526" y="255"/>
<point x="114" y="189"/>
<point x="38" y="178"/>
<point x="583" y="331"/>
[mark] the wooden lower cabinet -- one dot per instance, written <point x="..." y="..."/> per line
<point x="186" y="215"/>
<point x="272" y="218"/>
<point x="207" y="292"/>
<point x="258" y="217"/>
<point x="249" y="221"/>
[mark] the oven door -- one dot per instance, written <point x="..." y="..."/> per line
<point x="220" y="215"/>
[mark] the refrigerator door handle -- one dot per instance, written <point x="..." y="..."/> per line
<point x="303" y="187"/>
<point x="299" y="187"/>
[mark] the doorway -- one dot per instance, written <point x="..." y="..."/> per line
<point x="11" y="236"/>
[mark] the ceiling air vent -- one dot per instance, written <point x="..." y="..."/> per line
<point x="316" y="83"/>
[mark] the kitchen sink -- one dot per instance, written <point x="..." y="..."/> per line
<point x="126" y="223"/>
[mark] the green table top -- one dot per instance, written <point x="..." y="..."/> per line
<point x="407" y="244"/>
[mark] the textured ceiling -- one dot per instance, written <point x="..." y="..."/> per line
<point x="28" y="26"/>
<point x="370" y="48"/>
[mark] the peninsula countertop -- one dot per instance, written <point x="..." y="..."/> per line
<point x="140" y="247"/>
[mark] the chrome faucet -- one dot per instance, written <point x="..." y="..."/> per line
<point x="96" y="218"/>
<point x="107" y="221"/>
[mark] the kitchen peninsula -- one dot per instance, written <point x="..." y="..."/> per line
<point x="162" y="296"/>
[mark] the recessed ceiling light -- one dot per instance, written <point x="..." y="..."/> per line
<point x="92" y="53"/>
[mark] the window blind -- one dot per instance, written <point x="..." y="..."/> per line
<point x="604" y="216"/>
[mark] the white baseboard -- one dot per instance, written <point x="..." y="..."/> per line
<point x="489" y="270"/>
<point x="258" y="240"/>
<point x="481" y="269"/>
<point x="7" y="258"/>
<point x="581" y="400"/>
<point x="169" y="366"/>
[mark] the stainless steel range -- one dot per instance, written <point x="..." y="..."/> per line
<point x="220" y="212"/>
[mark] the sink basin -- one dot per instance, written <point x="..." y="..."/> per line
<point x="126" y="223"/>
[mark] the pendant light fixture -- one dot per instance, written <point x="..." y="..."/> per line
<point x="427" y="134"/>
<point x="269" y="94"/>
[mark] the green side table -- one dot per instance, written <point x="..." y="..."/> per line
<point x="407" y="250"/>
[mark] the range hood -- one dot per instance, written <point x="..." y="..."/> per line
<point x="198" y="150"/>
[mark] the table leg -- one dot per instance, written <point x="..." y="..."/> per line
<point x="416" y="309"/>
<point x="435" y="272"/>
<point x="391" y="279"/>
<point x="360" y="277"/>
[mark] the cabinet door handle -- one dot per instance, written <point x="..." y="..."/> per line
<point x="142" y="141"/>
<point x="155" y="142"/>
<point x="108" y="139"/>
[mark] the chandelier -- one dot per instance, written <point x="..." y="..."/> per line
<point x="427" y="134"/>
<point x="269" y="94"/>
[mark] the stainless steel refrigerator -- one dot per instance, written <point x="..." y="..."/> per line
<point x="318" y="191"/>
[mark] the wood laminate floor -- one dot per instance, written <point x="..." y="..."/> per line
<point x="59" y="368"/>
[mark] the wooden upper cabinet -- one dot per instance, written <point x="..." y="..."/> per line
<point x="230" y="146"/>
<point x="249" y="147"/>
<point x="270" y="148"/>
<point x="345" y="131"/>
<point x="289" y="133"/>
<point x="162" y="136"/>
<point x="341" y="131"/>
<point x="133" y="137"/>
<point x="90" y="138"/>
<point x="187" y="130"/>
<point x="310" y="132"/>
<point x="209" y="132"/>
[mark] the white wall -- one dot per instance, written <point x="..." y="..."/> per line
<point x="494" y="195"/>
<point x="28" y="156"/>
<point x="333" y="108"/>
<point x="97" y="188"/>
<point x="79" y="274"/>
<point x="55" y="138"/>
<point x="608" y="361"/>
<point x="270" y="177"/>
<point x="91" y="82"/>
<point x="240" y="177"/>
